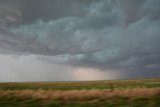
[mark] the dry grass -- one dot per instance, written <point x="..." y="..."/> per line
<point x="81" y="95"/>
<point x="128" y="93"/>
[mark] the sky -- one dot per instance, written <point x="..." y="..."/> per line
<point x="75" y="40"/>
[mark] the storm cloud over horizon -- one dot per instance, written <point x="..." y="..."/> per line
<point x="79" y="39"/>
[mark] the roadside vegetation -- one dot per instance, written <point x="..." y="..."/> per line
<point x="115" y="93"/>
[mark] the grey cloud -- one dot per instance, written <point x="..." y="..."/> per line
<point x="8" y="16"/>
<point x="130" y="9"/>
<point x="47" y="10"/>
<point x="109" y="35"/>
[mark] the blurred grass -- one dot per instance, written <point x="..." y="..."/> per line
<point x="152" y="102"/>
<point x="109" y="93"/>
<point x="84" y="85"/>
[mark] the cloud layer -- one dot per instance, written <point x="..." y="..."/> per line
<point x="101" y="34"/>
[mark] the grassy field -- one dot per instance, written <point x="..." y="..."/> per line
<point x="113" y="93"/>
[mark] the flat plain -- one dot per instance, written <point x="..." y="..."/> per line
<point x="105" y="93"/>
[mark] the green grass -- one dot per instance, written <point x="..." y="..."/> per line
<point x="111" y="103"/>
<point x="14" y="98"/>
<point x="85" y="85"/>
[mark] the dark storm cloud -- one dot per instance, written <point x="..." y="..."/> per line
<point x="46" y="10"/>
<point x="104" y="34"/>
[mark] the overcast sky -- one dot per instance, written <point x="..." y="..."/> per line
<point x="67" y="40"/>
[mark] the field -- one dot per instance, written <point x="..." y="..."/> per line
<point x="111" y="93"/>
